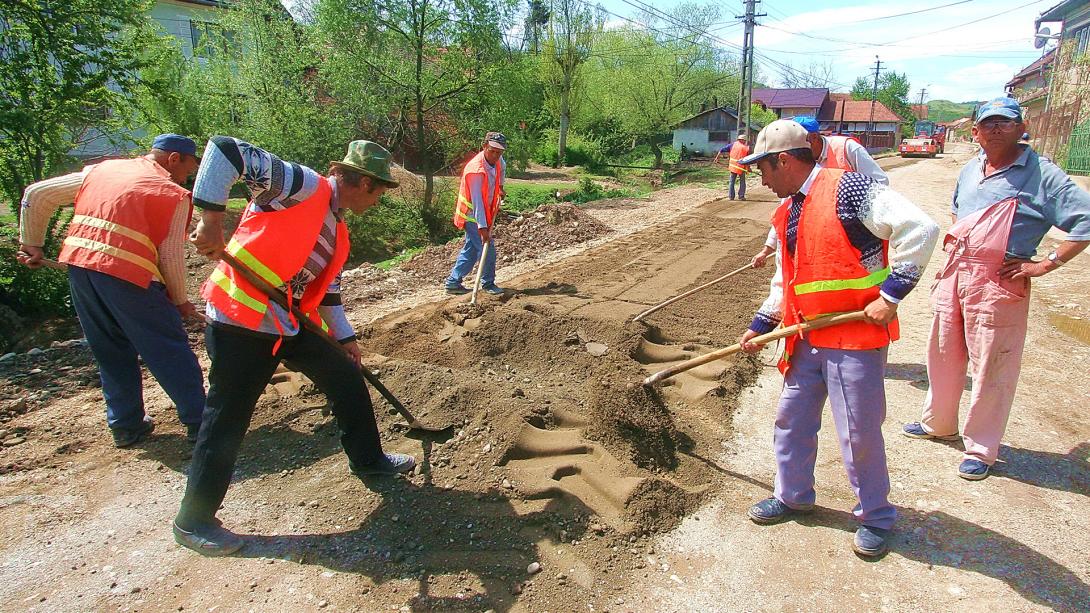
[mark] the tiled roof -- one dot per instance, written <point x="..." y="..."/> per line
<point x="1043" y="63"/>
<point x="854" y="110"/>
<point x="798" y="97"/>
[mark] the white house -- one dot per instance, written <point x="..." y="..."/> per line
<point x="185" y="20"/>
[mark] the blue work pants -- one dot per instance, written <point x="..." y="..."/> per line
<point x="123" y="323"/>
<point x="470" y="255"/>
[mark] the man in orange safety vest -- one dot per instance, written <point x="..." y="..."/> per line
<point x="738" y="150"/>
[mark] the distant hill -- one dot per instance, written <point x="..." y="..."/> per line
<point x="944" y="110"/>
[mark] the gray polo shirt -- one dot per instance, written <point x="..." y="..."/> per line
<point x="1046" y="197"/>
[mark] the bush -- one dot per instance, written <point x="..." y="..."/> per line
<point x="581" y="151"/>
<point x="34" y="293"/>
<point x="391" y="227"/>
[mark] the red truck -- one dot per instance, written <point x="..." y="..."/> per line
<point x="929" y="140"/>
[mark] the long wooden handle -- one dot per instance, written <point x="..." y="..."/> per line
<point x="279" y="298"/>
<point x="763" y="339"/>
<point x="690" y="292"/>
<point x="54" y="264"/>
<point x="480" y="272"/>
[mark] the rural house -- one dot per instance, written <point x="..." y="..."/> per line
<point x="708" y="131"/>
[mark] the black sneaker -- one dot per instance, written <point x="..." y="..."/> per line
<point x="455" y="289"/>
<point x="191" y="432"/>
<point x="771" y="510"/>
<point x="390" y="464"/>
<point x="493" y="289"/>
<point x="127" y="437"/>
<point x="210" y="539"/>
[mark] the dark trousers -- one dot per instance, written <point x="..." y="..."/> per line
<point x="242" y="363"/>
<point x="741" y="179"/>
<point x="124" y="322"/>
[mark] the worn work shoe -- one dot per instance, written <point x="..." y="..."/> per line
<point x="191" y="432"/>
<point x="209" y="539"/>
<point x="915" y="430"/>
<point x="771" y="510"/>
<point x="127" y="437"/>
<point x="493" y="289"/>
<point x="390" y="464"/>
<point x="456" y="289"/>
<point x="870" y="542"/>
<point x="973" y="470"/>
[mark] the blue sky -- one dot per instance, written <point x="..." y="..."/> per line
<point x="965" y="51"/>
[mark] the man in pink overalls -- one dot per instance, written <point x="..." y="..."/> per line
<point x="1006" y="200"/>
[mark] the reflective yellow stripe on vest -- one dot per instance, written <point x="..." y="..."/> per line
<point x="116" y="228"/>
<point x="832" y="285"/>
<point x="236" y="249"/>
<point x="236" y="293"/>
<point x="121" y="254"/>
<point x="463" y="213"/>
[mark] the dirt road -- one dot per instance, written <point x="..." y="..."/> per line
<point x="1017" y="541"/>
<point x="566" y="486"/>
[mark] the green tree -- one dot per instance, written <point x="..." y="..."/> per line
<point x="422" y="60"/>
<point x="572" y="28"/>
<point x="893" y="91"/>
<point x="67" y="73"/>
<point x="651" y="77"/>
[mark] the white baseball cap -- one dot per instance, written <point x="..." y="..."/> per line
<point x="778" y="136"/>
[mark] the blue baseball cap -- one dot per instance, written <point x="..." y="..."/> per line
<point x="176" y="143"/>
<point x="807" y="122"/>
<point x="1002" y="106"/>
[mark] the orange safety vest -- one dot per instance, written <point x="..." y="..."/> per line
<point x="123" y="214"/>
<point x="836" y="153"/>
<point x="463" y="210"/>
<point x="825" y="277"/>
<point x="737" y="152"/>
<point x="275" y="245"/>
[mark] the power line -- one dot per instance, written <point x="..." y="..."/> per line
<point x="934" y="8"/>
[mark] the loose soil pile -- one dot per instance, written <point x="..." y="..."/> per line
<point x="559" y="467"/>
<point x="517" y="238"/>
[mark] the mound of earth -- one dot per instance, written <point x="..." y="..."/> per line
<point x="527" y="236"/>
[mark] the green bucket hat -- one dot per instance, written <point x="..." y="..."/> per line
<point x="369" y="159"/>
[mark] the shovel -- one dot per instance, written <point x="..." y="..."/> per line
<point x="480" y="273"/>
<point x="689" y="293"/>
<point x="278" y="297"/>
<point x="763" y="339"/>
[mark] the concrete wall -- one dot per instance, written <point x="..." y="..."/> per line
<point x="694" y="140"/>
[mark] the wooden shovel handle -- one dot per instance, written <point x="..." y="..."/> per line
<point x="689" y="293"/>
<point x="763" y="339"/>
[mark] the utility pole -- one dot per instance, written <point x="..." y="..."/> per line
<point x="923" y="92"/>
<point x="873" y="99"/>
<point x="745" y="94"/>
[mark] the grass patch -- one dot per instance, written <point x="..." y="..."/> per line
<point x="522" y="197"/>
<point x="236" y="204"/>
<point x="404" y="256"/>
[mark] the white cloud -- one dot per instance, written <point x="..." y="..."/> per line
<point x="978" y="82"/>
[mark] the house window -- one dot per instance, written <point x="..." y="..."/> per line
<point x="720" y="136"/>
<point x="1081" y="37"/>
<point x="210" y="38"/>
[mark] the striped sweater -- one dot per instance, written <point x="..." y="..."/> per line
<point x="275" y="185"/>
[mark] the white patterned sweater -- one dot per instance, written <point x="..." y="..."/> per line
<point x="871" y="213"/>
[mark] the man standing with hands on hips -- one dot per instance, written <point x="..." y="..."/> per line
<point x="849" y="244"/>
<point x="479" y="194"/>
<point x="1006" y="200"/>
